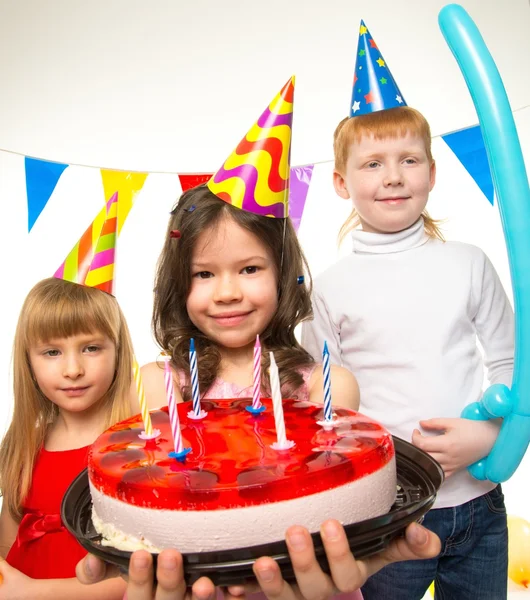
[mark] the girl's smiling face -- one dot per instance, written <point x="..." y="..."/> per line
<point x="74" y="372"/>
<point x="233" y="294"/>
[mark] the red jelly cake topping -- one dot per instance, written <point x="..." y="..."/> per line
<point x="231" y="463"/>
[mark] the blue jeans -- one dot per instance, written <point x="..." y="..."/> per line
<point x="473" y="563"/>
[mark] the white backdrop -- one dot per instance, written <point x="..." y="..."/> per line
<point x="166" y="87"/>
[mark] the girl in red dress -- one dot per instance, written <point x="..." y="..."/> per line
<point x="72" y="380"/>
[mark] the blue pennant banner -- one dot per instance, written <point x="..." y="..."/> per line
<point x="41" y="178"/>
<point x="468" y="147"/>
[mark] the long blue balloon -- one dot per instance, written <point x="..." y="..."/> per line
<point x="513" y="195"/>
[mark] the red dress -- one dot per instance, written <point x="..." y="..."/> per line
<point x="44" y="549"/>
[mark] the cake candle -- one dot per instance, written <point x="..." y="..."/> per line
<point x="149" y="433"/>
<point x="328" y="422"/>
<point x="328" y="416"/>
<point x="179" y="452"/>
<point x="257" y="407"/>
<point x="196" y="413"/>
<point x="282" y="442"/>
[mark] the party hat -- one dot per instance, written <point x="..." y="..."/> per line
<point x="255" y="177"/>
<point x="374" y="87"/>
<point x="91" y="260"/>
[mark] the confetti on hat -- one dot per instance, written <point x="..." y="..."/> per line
<point x="255" y="177"/>
<point x="91" y="260"/>
<point x="374" y="87"/>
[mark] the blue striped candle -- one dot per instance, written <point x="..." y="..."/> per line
<point x="196" y="413"/>
<point x="328" y="415"/>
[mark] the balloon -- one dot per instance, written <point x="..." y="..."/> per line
<point x="519" y="550"/>
<point x="513" y="195"/>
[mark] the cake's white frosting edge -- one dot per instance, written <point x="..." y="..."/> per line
<point x="128" y="527"/>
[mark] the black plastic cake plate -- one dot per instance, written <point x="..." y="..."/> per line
<point x="418" y="477"/>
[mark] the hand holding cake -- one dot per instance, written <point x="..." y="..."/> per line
<point x="348" y="574"/>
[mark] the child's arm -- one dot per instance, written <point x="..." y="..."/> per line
<point x="495" y="326"/>
<point x="17" y="586"/>
<point x="8" y="531"/>
<point x="321" y="329"/>
<point x="344" y="387"/>
<point x="154" y="386"/>
<point x="463" y="442"/>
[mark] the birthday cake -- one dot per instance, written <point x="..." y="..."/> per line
<point x="233" y="489"/>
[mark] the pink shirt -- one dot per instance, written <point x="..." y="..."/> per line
<point x="225" y="389"/>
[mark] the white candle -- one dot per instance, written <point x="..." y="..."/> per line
<point x="282" y="442"/>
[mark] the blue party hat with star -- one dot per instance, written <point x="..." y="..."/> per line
<point x="374" y="87"/>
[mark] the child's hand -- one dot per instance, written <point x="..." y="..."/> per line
<point x="169" y="574"/>
<point x="462" y="441"/>
<point x="347" y="574"/>
<point x="15" y="585"/>
<point x="92" y="570"/>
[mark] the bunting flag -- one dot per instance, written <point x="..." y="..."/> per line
<point x="187" y="182"/>
<point x="468" y="147"/>
<point x="41" y="178"/>
<point x="127" y="185"/>
<point x="299" y="186"/>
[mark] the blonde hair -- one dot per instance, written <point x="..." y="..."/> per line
<point x="56" y="309"/>
<point x="383" y="124"/>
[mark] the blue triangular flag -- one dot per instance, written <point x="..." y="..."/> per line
<point x="468" y="146"/>
<point x="41" y="178"/>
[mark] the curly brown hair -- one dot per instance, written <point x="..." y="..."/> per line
<point x="196" y="211"/>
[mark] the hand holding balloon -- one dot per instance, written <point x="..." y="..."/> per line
<point x="513" y="195"/>
<point x="459" y="443"/>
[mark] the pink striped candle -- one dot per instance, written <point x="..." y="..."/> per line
<point x="257" y="407"/>
<point x="180" y="452"/>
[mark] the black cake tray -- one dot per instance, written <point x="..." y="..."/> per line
<point x="418" y="477"/>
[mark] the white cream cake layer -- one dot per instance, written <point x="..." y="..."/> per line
<point x="128" y="527"/>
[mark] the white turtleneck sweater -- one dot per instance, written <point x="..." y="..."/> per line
<point x="403" y="313"/>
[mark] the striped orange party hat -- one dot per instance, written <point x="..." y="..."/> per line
<point x="255" y="177"/>
<point x="91" y="260"/>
